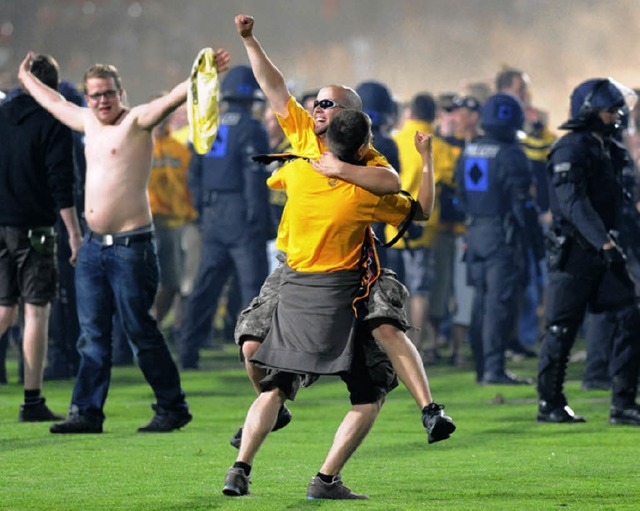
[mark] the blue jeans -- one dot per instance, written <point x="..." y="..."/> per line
<point x="123" y="279"/>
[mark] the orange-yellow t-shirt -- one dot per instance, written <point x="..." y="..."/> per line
<point x="326" y="218"/>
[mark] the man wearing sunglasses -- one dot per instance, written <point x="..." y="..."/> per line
<point x="323" y="256"/>
<point x="117" y="267"/>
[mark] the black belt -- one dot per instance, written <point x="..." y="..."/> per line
<point x="123" y="238"/>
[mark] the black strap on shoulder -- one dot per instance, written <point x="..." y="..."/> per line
<point x="405" y="223"/>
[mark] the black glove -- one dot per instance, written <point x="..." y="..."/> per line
<point x="616" y="261"/>
<point x="614" y="257"/>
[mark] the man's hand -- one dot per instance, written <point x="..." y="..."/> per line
<point x="74" y="244"/>
<point x="328" y="164"/>
<point x="25" y="67"/>
<point x="222" y="60"/>
<point x="423" y="144"/>
<point x="244" y="25"/>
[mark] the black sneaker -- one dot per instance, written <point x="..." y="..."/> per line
<point x="438" y="425"/>
<point x="38" y="413"/>
<point x="335" y="490"/>
<point x="77" y="423"/>
<point x="558" y="414"/>
<point x="165" y="421"/>
<point x="506" y="378"/>
<point x="629" y="416"/>
<point x="284" y="418"/>
<point x="236" y="483"/>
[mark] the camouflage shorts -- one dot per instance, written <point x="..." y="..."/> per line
<point x="387" y="300"/>
<point x="255" y="320"/>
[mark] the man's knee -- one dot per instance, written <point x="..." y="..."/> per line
<point x="249" y="348"/>
<point x="386" y="333"/>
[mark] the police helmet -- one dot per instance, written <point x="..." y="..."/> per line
<point x="239" y="84"/>
<point x="377" y="102"/>
<point x="502" y="116"/>
<point x="596" y="95"/>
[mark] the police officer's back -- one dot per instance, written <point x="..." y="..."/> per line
<point x="231" y="198"/>
<point x="587" y="267"/>
<point x="493" y="182"/>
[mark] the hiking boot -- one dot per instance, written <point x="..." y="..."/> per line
<point x="284" y="418"/>
<point x="557" y="414"/>
<point x="236" y="483"/>
<point x="165" y="421"/>
<point x="438" y="425"/>
<point x="38" y="413"/>
<point x="506" y="378"/>
<point x="335" y="490"/>
<point x="630" y="415"/>
<point x="77" y="423"/>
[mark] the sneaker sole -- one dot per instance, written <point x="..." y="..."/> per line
<point x="441" y="431"/>
<point x="232" y="491"/>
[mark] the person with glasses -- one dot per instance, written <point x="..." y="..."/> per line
<point x="328" y="220"/>
<point x="117" y="267"/>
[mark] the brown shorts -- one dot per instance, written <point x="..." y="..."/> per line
<point x="27" y="265"/>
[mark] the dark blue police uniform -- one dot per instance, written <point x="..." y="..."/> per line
<point x="586" y="194"/>
<point x="231" y="197"/>
<point x="493" y="181"/>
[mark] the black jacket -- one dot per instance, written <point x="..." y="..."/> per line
<point x="36" y="164"/>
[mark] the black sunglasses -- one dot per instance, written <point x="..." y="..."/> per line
<point x="325" y="104"/>
<point x="108" y="94"/>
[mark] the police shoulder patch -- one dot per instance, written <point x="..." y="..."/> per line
<point x="564" y="166"/>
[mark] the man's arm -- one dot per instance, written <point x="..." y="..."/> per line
<point x="152" y="113"/>
<point x="268" y="76"/>
<point x="70" y="218"/>
<point x="66" y="112"/>
<point x="427" y="193"/>
<point x="377" y="180"/>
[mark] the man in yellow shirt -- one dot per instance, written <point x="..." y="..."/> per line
<point x="324" y="259"/>
<point x="171" y="208"/>
<point x="411" y="258"/>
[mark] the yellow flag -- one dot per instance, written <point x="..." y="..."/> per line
<point x="202" y="101"/>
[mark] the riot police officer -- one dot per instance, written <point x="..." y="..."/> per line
<point x="231" y="198"/>
<point x="587" y="267"/>
<point x="493" y="181"/>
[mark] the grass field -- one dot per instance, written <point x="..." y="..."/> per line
<point x="498" y="459"/>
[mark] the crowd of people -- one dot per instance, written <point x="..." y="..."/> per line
<point x="345" y="234"/>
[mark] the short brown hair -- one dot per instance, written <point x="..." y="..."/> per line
<point x="102" y="71"/>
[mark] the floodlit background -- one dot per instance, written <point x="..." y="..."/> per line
<point x="411" y="45"/>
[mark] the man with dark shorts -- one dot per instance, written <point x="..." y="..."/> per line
<point x="36" y="180"/>
<point x="316" y="335"/>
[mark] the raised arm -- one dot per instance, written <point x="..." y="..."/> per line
<point x="66" y="112"/>
<point x="269" y="77"/>
<point x="151" y="114"/>
<point x="427" y="193"/>
<point x="377" y="180"/>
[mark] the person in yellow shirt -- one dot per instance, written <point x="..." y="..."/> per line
<point x="411" y="257"/>
<point x="328" y="222"/>
<point x="171" y="208"/>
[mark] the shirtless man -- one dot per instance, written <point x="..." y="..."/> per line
<point x="117" y="266"/>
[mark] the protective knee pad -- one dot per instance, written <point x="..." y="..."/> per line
<point x="559" y="338"/>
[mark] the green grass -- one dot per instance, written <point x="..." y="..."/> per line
<point x="498" y="459"/>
